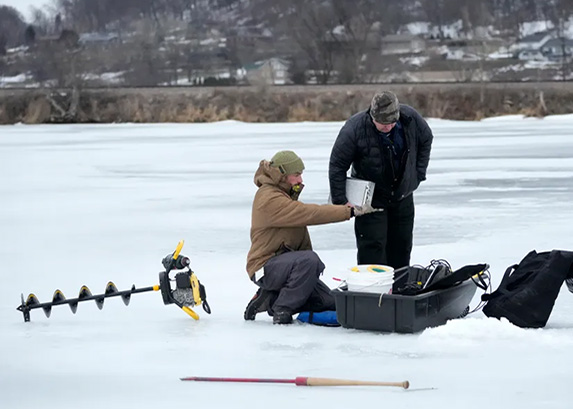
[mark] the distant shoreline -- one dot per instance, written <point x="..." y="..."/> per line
<point x="290" y="88"/>
<point x="292" y="103"/>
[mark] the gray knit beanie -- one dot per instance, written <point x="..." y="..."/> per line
<point x="385" y="108"/>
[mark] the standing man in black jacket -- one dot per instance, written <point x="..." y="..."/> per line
<point x="388" y="144"/>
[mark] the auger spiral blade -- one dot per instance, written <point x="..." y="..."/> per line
<point x="58" y="297"/>
<point x="182" y="289"/>
<point x="85" y="294"/>
<point x="112" y="289"/>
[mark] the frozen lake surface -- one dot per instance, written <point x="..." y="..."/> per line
<point x="86" y="204"/>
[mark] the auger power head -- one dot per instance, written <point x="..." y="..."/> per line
<point x="187" y="291"/>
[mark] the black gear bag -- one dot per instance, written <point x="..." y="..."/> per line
<point x="528" y="290"/>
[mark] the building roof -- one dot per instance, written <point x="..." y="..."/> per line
<point x="399" y="38"/>
<point x="535" y="37"/>
<point x="258" y="64"/>
<point x="98" y="37"/>
<point x="558" y="42"/>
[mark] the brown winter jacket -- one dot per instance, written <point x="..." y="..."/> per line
<point x="279" y="220"/>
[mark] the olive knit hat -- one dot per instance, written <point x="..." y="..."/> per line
<point x="385" y="108"/>
<point x="287" y="162"/>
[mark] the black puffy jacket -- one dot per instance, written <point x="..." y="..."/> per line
<point x="359" y="144"/>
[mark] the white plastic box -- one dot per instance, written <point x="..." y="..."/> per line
<point x="358" y="192"/>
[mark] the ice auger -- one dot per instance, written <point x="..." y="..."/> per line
<point x="188" y="291"/>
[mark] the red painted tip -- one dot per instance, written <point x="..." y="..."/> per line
<point x="301" y="381"/>
<point x="253" y="380"/>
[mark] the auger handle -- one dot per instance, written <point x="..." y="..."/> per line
<point x="190" y="312"/>
<point x="178" y="249"/>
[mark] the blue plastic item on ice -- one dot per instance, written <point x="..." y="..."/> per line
<point x="324" y="318"/>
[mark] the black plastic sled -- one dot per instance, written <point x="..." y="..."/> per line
<point x="401" y="313"/>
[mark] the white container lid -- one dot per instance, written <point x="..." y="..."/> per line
<point x="370" y="278"/>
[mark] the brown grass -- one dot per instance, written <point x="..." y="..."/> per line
<point x="292" y="105"/>
<point x="38" y="111"/>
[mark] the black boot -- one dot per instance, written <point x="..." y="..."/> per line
<point x="259" y="303"/>
<point x="282" y="316"/>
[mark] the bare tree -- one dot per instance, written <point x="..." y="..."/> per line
<point x="356" y="22"/>
<point x="309" y="25"/>
<point x="174" y="61"/>
<point x="3" y="43"/>
<point x="29" y="35"/>
<point x="60" y="69"/>
<point x="146" y="64"/>
<point x="514" y="15"/>
<point x="558" y="12"/>
<point x="435" y="13"/>
<point x="12" y="26"/>
<point x="40" y="21"/>
<point x="475" y="14"/>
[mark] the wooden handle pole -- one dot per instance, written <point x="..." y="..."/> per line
<point x="302" y="381"/>
<point x="346" y="382"/>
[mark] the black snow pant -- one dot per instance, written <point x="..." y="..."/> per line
<point x="293" y="278"/>
<point x="386" y="237"/>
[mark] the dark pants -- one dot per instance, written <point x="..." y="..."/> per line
<point x="293" y="277"/>
<point x="386" y="237"/>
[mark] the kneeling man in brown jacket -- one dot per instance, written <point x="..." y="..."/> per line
<point x="281" y="261"/>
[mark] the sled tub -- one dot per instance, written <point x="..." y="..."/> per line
<point x="402" y="313"/>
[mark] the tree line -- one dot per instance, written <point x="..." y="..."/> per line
<point x="326" y="37"/>
<point x="290" y="17"/>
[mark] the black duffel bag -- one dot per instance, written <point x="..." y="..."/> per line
<point x="528" y="290"/>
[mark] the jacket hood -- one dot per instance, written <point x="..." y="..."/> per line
<point x="268" y="175"/>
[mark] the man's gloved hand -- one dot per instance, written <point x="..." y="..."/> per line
<point x="362" y="210"/>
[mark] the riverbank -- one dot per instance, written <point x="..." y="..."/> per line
<point x="460" y="101"/>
